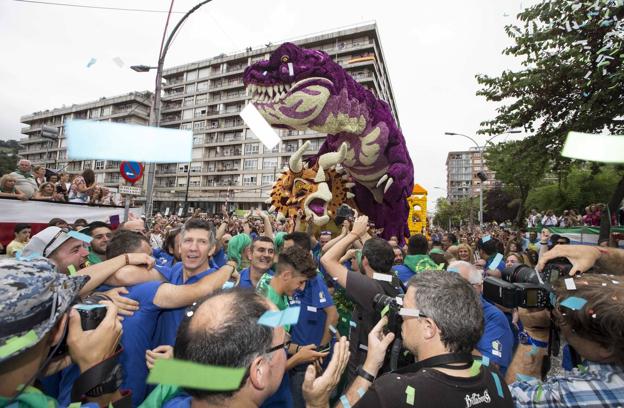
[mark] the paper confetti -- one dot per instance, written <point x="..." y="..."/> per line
<point x="80" y="236"/>
<point x="496" y="261"/>
<point x="17" y="343"/>
<point x="71" y="269"/>
<point x="352" y="324"/>
<point x="385" y="310"/>
<point x="259" y="126"/>
<point x="382" y="277"/>
<point x="569" y="283"/>
<point x="119" y="62"/>
<point x="533" y="350"/>
<point x="605" y="148"/>
<point x="476" y="367"/>
<point x="486" y="238"/>
<point x="188" y="374"/>
<point x="333" y="329"/>
<point x="291" y="69"/>
<point x="499" y="387"/>
<point x="410" y="394"/>
<point x="361" y="392"/>
<point x="345" y="401"/>
<point x="280" y="318"/>
<point x="574" y="303"/>
<point x="485" y="360"/>
<point x="91" y="62"/>
<point x="525" y="378"/>
<point x="538" y="395"/>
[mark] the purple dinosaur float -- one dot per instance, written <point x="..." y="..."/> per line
<point x="304" y="89"/>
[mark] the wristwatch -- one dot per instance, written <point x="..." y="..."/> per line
<point x="365" y="374"/>
<point x="525" y="338"/>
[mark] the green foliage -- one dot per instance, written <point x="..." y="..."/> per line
<point x="457" y="212"/>
<point x="572" y="76"/>
<point x="581" y="187"/>
<point x="8" y="156"/>
<point x="519" y="166"/>
<point x="501" y="204"/>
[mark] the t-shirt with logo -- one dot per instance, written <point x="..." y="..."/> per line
<point x="432" y="388"/>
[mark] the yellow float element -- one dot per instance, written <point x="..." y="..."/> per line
<point x="417" y="219"/>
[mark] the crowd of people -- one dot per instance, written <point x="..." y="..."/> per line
<point x="30" y="182"/>
<point x="381" y="322"/>
<point x="570" y="218"/>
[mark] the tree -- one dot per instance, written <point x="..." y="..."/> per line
<point x="519" y="167"/>
<point x="454" y="212"/>
<point x="572" y="77"/>
<point x="500" y="204"/>
<point x="8" y="155"/>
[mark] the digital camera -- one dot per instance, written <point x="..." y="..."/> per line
<point x="520" y="285"/>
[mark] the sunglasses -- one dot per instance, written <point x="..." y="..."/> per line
<point x="407" y="312"/>
<point x="284" y="345"/>
<point x="58" y="234"/>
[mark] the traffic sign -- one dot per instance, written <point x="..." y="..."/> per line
<point x="131" y="171"/>
<point x="130" y="190"/>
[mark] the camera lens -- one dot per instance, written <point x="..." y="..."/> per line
<point x="520" y="273"/>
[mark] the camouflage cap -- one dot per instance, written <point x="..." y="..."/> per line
<point x="33" y="296"/>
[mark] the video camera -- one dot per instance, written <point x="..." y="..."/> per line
<point x="522" y="286"/>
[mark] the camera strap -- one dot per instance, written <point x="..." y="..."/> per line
<point x="442" y="361"/>
<point x="103" y="378"/>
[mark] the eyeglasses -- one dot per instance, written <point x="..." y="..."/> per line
<point x="284" y="345"/>
<point x="58" y="234"/>
<point x="407" y="312"/>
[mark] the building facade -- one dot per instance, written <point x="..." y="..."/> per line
<point x="461" y="174"/>
<point x="131" y="108"/>
<point x="229" y="164"/>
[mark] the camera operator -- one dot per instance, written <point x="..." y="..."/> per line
<point x="375" y="276"/>
<point x="35" y="314"/>
<point x="442" y="323"/>
<point x="593" y="327"/>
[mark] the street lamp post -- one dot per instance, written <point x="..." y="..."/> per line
<point x="154" y="119"/>
<point x="481" y="149"/>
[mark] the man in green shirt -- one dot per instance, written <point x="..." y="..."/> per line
<point x="101" y="234"/>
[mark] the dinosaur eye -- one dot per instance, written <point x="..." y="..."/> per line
<point x="285" y="58"/>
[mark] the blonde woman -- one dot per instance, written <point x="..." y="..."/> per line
<point x="8" y="189"/>
<point x="464" y="253"/>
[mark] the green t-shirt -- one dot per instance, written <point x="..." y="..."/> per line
<point x="93" y="258"/>
<point x="31" y="398"/>
<point x="265" y="289"/>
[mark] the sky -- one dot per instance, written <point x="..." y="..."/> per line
<point x="433" y="51"/>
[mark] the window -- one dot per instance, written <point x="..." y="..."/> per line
<point x="268" y="179"/>
<point x="186" y="126"/>
<point x="253" y="148"/>
<point x="275" y="149"/>
<point x="191" y="75"/>
<point x="201" y="99"/>
<point x="187" y="114"/>
<point x="269" y="163"/>
<point x="202" y="86"/>
<point x="204" y="72"/>
<point x="107" y="110"/>
<point x="199" y="112"/>
<point x="95" y="113"/>
<point x="190" y="88"/>
<point x="99" y="165"/>
<point x="198" y="139"/>
<point x="188" y="101"/>
<point x="250" y="164"/>
<point x="249" y="180"/>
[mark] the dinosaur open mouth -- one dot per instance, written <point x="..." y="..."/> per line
<point x="317" y="206"/>
<point x="274" y="93"/>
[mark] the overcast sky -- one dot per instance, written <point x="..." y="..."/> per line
<point x="433" y="50"/>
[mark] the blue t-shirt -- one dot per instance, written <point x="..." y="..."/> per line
<point x="182" y="400"/>
<point x="218" y="259"/>
<point x="59" y="385"/>
<point x="311" y="325"/>
<point x="282" y="398"/>
<point x="163" y="258"/>
<point x="245" y="279"/>
<point x="403" y="272"/>
<point x="170" y="319"/>
<point x="497" y="340"/>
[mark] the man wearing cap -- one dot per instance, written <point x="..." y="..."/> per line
<point x="35" y="313"/>
<point x="66" y="250"/>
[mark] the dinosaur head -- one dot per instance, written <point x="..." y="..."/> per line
<point x="318" y="190"/>
<point x="292" y="87"/>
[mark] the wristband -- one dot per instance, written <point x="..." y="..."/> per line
<point x="543" y="243"/>
<point x="361" y="372"/>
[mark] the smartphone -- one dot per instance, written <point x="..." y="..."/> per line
<point x="324" y="348"/>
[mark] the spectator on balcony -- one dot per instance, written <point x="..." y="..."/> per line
<point x="47" y="192"/>
<point x="39" y="173"/>
<point x="8" y="189"/>
<point x="24" y="180"/>
<point x="63" y="185"/>
<point x="81" y="188"/>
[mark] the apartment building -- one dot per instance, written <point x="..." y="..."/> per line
<point x="461" y="174"/>
<point x="229" y="164"/>
<point x="132" y="108"/>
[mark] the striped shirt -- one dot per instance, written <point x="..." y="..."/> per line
<point x="592" y="385"/>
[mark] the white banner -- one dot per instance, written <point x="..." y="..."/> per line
<point x="41" y="212"/>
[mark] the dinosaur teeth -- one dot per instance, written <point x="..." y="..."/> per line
<point x="350" y="195"/>
<point x="349" y="185"/>
<point x="270" y="91"/>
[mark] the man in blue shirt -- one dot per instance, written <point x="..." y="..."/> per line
<point x="488" y="250"/>
<point x="497" y="340"/>
<point x="261" y="255"/>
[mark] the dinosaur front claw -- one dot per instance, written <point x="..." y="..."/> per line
<point x="388" y="184"/>
<point x="381" y="180"/>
